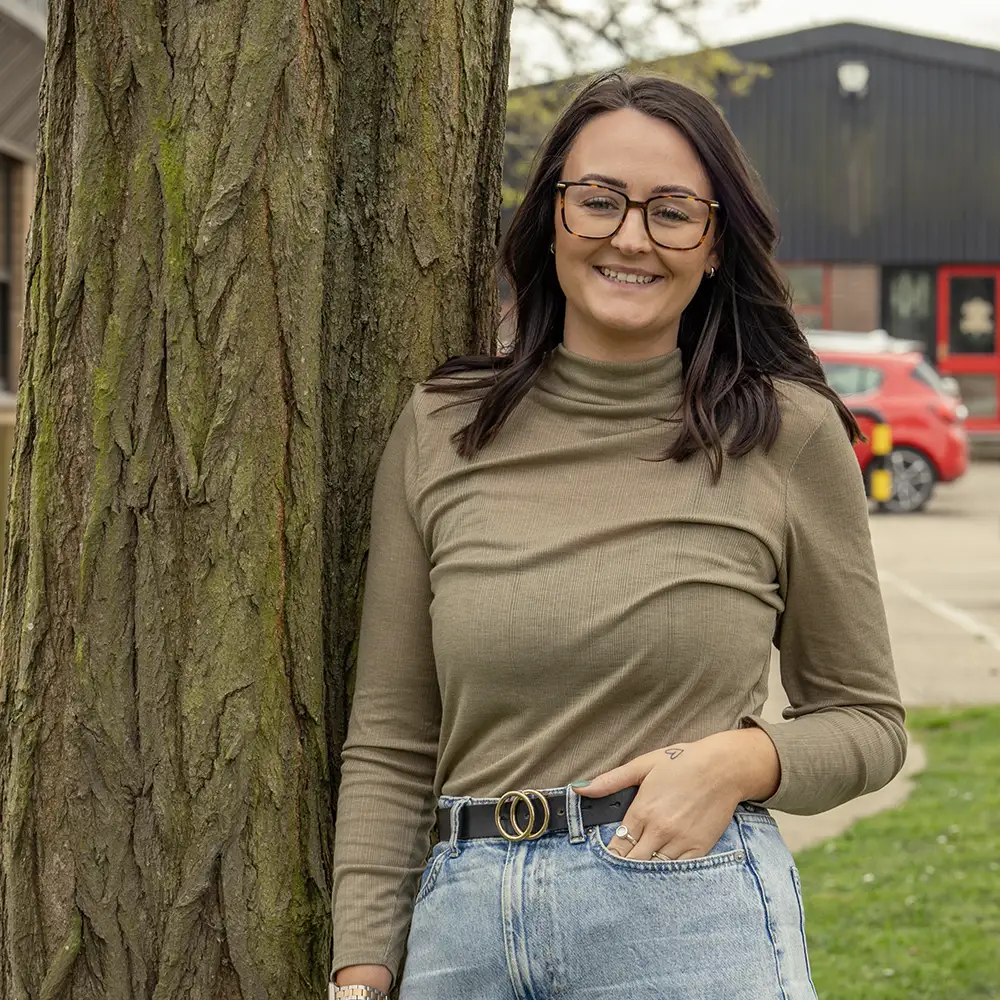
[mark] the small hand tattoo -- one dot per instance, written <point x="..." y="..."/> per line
<point x="673" y="753"/>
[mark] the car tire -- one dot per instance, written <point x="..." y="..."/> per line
<point x="913" y="480"/>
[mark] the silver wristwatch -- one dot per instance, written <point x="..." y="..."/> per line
<point x="356" y="993"/>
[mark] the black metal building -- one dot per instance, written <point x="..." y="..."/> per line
<point x="848" y="170"/>
<point x="881" y="152"/>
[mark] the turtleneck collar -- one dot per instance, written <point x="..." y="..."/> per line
<point x="653" y="387"/>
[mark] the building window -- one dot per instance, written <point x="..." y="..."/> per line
<point x="909" y="305"/>
<point x="972" y="327"/>
<point x="6" y="266"/>
<point x="810" y="288"/>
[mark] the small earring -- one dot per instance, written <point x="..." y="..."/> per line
<point x="552" y="248"/>
<point x="711" y="271"/>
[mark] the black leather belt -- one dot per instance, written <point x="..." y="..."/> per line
<point x="528" y="814"/>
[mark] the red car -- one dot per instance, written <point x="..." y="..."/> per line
<point x="930" y="444"/>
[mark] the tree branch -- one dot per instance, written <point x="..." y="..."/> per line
<point x="625" y="30"/>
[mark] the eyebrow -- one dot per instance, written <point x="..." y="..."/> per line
<point x="659" y="189"/>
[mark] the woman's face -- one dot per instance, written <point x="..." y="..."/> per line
<point x="609" y="316"/>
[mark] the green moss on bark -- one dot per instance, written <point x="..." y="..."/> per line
<point x="220" y="331"/>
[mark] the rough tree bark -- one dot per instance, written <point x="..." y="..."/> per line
<point x="257" y="223"/>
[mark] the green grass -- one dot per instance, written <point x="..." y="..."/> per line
<point x="906" y="904"/>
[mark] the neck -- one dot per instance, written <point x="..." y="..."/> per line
<point x="612" y="390"/>
<point x="618" y="345"/>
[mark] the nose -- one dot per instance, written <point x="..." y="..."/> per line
<point x="632" y="237"/>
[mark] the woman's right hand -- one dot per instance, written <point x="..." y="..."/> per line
<point x="364" y="975"/>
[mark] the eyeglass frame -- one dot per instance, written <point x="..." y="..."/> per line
<point x="631" y="203"/>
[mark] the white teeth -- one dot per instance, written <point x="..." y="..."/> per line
<point x="632" y="279"/>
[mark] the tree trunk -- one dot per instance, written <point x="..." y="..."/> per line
<point x="257" y="224"/>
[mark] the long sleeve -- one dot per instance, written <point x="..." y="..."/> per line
<point x="386" y="805"/>
<point x="843" y="735"/>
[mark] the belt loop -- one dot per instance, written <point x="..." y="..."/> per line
<point x="574" y="817"/>
<point x="456" y="813"/>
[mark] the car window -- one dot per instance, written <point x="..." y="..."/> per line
<point x="852" y="380"/>
<point x="923" y="372"/>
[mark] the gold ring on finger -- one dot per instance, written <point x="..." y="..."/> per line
<point x="661" y="857"/>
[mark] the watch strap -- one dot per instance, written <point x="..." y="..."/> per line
<point x="356" y="993"/>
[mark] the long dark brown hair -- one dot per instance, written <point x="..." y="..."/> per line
<point x="738" y="333"/>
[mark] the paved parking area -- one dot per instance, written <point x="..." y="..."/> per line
<point x="940" y="574"/>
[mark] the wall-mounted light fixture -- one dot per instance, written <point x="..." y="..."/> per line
<point x="853" y="78"/>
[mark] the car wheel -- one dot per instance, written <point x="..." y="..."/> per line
<point x="913" y="481"/>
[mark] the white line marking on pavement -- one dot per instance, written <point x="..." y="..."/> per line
<point x="944" y="610"/>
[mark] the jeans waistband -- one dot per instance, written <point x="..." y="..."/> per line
<point x="566" y="800"/>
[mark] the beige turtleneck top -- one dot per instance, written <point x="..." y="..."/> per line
<point x="561" y="604"/>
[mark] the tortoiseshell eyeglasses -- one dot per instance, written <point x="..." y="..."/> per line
<point x="597" y="212"/>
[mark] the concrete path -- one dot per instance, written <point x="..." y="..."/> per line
<point x="940" y="575"/>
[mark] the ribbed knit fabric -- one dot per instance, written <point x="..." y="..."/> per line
<point x="563" y="603"/>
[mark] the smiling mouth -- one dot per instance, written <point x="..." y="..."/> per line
<point x="626" y="278"/>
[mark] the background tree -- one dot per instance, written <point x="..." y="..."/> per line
<point x="592" y="33"/>
<point x="533" y="109"/>
<point x="587" y="34"/>
<point x="257" y="224"/>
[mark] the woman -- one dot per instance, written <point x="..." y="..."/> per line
<point x="581" y="553"/>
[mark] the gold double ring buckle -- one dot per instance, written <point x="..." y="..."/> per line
<point x="529" y="832"/>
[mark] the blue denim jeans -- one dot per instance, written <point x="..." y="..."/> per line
<point x="562" y="918"/>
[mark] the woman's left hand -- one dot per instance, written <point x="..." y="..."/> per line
<point x="688" y="792"/>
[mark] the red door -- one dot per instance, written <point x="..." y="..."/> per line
<point x="968" y="346"/>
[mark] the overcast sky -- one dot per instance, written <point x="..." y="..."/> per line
<point x="976" y="21"/>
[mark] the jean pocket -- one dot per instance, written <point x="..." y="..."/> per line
<point x="721" y="856"/>
<point x="431" y="871"/>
